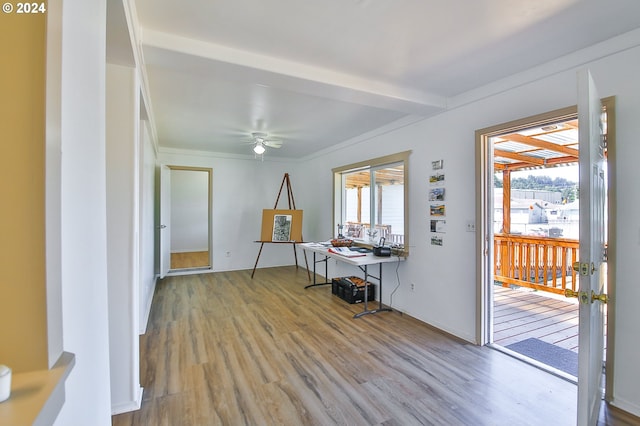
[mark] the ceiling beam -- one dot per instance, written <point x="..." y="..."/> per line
<point x="188" y="54"/>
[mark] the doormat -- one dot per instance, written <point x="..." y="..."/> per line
<point x="546" y="353"/>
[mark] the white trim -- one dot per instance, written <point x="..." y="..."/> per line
<point x="142" y="327"/>
<point x="190" y="271"/>
<point x="125" y="407"/>
<point x="626" y="405"/>
<point x="190" y="250"/>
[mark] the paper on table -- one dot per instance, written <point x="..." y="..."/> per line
<point x="345" y="251"/>
<point x="318" y="245"/>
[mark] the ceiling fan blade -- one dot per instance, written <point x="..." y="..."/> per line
<point x="273" y="143"/>
<point x="260" y="135"/>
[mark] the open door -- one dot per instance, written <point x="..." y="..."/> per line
<point x="591" y="265"/>
<point x="165" y="220"/>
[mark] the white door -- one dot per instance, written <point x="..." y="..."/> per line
<point x="165" y="220"/>
<point x="592" y="268"/>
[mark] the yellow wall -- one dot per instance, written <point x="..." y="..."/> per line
<point x="23" y="319"/>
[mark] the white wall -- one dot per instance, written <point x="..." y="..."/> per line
<point x="189" y="211"/>
<point x="445" y="292"/>
<point x="242" y="188"/>
<point x="53" y="171"/>
<point x="623" y="82"/>
<point x="147" y="224"/>
<point x="122" y="133"/>
<point x="84" y="243"/>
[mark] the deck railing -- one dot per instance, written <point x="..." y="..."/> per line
<point x="541" y="263"/>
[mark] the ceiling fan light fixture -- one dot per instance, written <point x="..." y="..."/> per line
<point x="259" y="148"/>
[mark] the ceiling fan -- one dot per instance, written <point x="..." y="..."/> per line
<point x="261" y="141"/>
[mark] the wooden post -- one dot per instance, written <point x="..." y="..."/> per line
<point x="506" y="201"/>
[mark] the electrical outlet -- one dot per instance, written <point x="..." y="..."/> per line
<point x="413" y="287"/>
<point x="471" y="226"/>
<point x="228" y="254"/>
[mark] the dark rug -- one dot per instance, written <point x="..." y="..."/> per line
<point x="554" y="356"/>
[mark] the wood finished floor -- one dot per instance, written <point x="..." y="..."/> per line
<point x="223" y="349"/>
<point x="192" y="259"/>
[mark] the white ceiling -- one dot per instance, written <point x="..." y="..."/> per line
<point x="316" y="73"/>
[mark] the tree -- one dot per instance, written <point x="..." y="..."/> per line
<point x="567" y="188"/>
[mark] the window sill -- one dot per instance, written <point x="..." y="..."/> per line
<point x="37" y="396"/>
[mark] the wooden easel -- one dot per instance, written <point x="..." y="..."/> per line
<point x="292" y="205"/>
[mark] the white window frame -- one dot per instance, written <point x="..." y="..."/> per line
<point x="371" y="165"/>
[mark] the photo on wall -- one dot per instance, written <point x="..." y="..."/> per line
<point x="436" y="194"/>
<point x="437" y="210"/>
<point x="439" y="226"/>
<point x="437" y="165"/>
<point x="436" y="179"/>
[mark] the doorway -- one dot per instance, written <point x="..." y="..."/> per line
<point x="527" y="211"/>
<point x="186" y="219"/>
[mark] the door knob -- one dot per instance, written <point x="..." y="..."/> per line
<point x="570" y="293"/>
<point x="582" y="296"/>
<point x="601" y="297"/>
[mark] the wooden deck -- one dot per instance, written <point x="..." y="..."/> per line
<point x="523" y="313"/>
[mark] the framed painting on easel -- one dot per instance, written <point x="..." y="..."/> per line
<point x="281" y="226"/>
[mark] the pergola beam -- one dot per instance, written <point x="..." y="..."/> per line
<point x="538" y="143"/>
<point x="519" y="157"/>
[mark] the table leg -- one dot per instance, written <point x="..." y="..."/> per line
<point x="326" y="272"/>
<point x="381" y="308"/>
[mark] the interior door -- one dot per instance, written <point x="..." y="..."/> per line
<point x="592" y="268"/>
<point x="165" y="220"/>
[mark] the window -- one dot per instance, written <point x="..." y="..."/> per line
<point x="358" y="206"/>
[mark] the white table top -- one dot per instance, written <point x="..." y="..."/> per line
<point x="367" y="259"/>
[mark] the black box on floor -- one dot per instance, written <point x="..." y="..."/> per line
<point x="351" y="289"/>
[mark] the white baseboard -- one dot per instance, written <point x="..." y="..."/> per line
<point x="147" y="309"/>
<point x="125" y="407"/>
<point x="627" y="406"/>
<point x="191" y="250"/>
